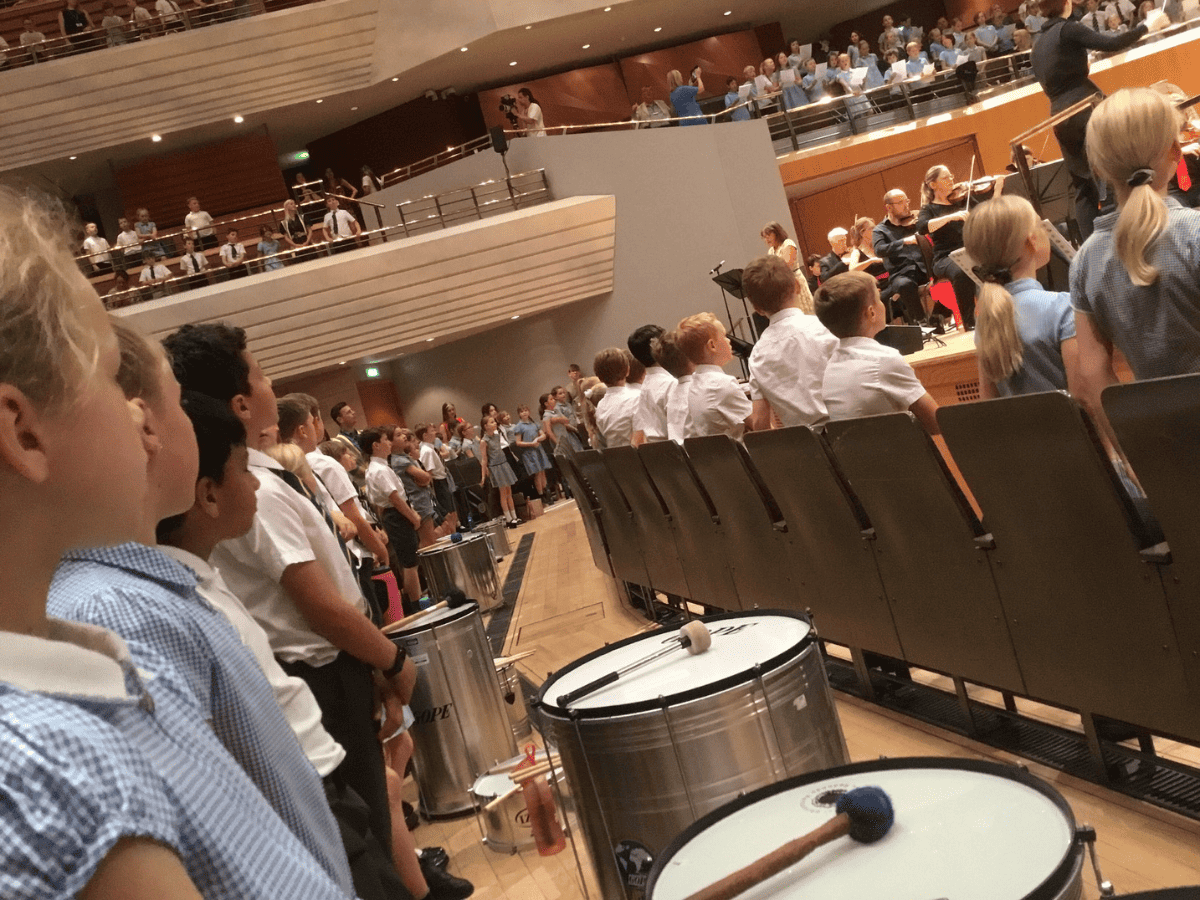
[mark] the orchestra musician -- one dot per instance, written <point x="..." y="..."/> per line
<point x="944" y="206"/>
<point x="895" y="242"/>
<point x="1060" y="64"/>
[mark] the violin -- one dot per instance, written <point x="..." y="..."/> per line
<point x="974" y="191"/>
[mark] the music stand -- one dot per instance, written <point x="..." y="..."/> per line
<point x="731" y="283"/>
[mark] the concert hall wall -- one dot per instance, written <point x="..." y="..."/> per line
<point x="870" y="24"/>
<point x="229" y="176"/>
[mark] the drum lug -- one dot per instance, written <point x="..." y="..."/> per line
<point x="1087" y="835"/>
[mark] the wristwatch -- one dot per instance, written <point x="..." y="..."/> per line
<point x="394" y="669"/>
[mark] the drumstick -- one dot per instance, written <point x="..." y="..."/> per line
<point x="454" y="599"/>
<point x="693" y="637"/>
<point x="519" y="779"/>
<point x="864" y="813"/>
<point x="492" y="804"/>
<point x="502" y="661"/>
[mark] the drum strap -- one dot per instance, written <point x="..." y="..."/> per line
<point x="294" y="482"/>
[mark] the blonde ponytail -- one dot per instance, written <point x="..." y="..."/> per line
<point x="1127" y="135"/>
<point x="995" y="236"/>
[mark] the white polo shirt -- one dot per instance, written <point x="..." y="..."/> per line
<point x="294" y="696"/>
<point x="199" y="221"/>
<point x="865" y="378"/>
<point x="651" y="415"/>
<point x="333" y="476"/>
<point x="432" y="460"/>
<point x="615" y="412"/>
<point x="288" y="530"/>
<point x="716" y="403"/>
<point x="679" y="420"/>
<point x="787" y="366"/>
<point x="381" y="481"/>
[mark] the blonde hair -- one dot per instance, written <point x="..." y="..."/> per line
<point x="46" y="348"/>
<point x="931" y="176"/>
<point x="1127" y="135"/>
<point x="674" y="79"/>
<point x="695" y="332"/>
<point x="995" y="236"/>
<point x="292" y="458"/>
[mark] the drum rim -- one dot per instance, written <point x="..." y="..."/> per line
<point x="1049" y="889"/>
<point x="452" y="615"/>
<point x="696" y="693"/>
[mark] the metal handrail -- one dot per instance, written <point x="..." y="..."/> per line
<point x="540" y="191"/>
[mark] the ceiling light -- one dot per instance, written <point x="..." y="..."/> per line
<point x="658" y="29"/>
<point x="608" y="9"/>
<point x="729" y="12"/>
<point x="585" y="46"/>
<point x="527" y="27"/>
<point x="395" y="79"/>
<point x="515" y="318"/>
<point x="320" y="101"/>
<point x="354" y="109"/>
<point x="73" y="157"/>
<point x="462" y="49"/>
<point x="513" y="63"/>
<point x="342" y="363"/>
<point x="449" y="148"/>
<point x="238" y="120"/>
<point x="156" y="138"/>
<point x="429" y="340"/>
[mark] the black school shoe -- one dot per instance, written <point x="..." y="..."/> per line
<point x="411" y="819"/>
<point x="435" y="857"/>
<point x="443" y="885"/>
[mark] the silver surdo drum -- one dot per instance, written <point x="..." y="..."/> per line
<point x="467" y="564"/>
<point x="964" y="829"/>
<point x="461" y="729"/>
<point x="497" y="532"/>
<point x="669" y="742"/>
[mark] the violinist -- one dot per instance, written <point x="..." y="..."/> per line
<point x="943" y="212"/>
<point x="895" y="242"/>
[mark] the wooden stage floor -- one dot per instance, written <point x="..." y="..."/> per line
<point x="567" y="608"/>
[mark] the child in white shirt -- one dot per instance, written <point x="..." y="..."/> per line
<point x="716" y="402"/>
<point x="616" y="409"/>
<point x="669" y="355"/>
<point x="443" y="487"/>
<point x="864" y="377"/>
<point x="385" y="491"/>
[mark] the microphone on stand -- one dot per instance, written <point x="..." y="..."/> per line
<point x="717" y="268"/>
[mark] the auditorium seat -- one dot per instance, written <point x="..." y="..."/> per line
<point x="654" y="529"/>
<point x="624" y="552"/>
<point x="765" y="570"/>
<point x="1087" y="612"/>
<point x="931" y="550"/>
<point x="704" y="548"/>
<point x="589" y="511"/>
<point x="830" y="537"/>
<point x="1158" y="425"/>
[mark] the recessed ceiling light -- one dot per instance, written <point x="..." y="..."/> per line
<point x="608" y="9"/>
<point x="72" y="157"/>
<point x="729" y="12"/>
<point x="527" y="27"/>
<point x="658" y="29"/>
<point x="320" y="101"/>
<point x="395" y="79"/>
<point x="515" y="318"/>
<point x="429" y="340"/>
<point x="462" y="49"/>
<point x="156" y="138"/>
<point x="238" y="120"/>
<point x="354" y="109"/>
<point x="342" y="363"/>
<point x="513" y="63"/>
<point x="585" y="46"/>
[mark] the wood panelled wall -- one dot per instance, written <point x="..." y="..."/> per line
<point x="405" y="134"/>
<point x="817" y="214"/>
<point x="227" y="177"/>
<point x="608" y="93"/>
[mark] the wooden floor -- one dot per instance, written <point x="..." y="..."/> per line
<point x="568" y="608"/>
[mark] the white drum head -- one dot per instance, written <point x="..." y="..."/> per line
<point x="738" y="644"/>
<point x="489" y="787"/>
<point x="438" y="617"/>
<point x="959" y="834"/>
<point x="447" y="543"/>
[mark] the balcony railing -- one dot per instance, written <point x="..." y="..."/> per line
<point x="435" y="211"/>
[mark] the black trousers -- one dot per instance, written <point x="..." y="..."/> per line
<point x="345" y="692"/>
<point x="909" y="290"/>
<point x="375" y="877"/>
<point x="964" y="288"/>
<point x="1072" y="136"/>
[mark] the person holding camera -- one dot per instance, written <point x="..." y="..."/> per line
<point x="683" y="96"/>
<point x="529" y="114"/>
